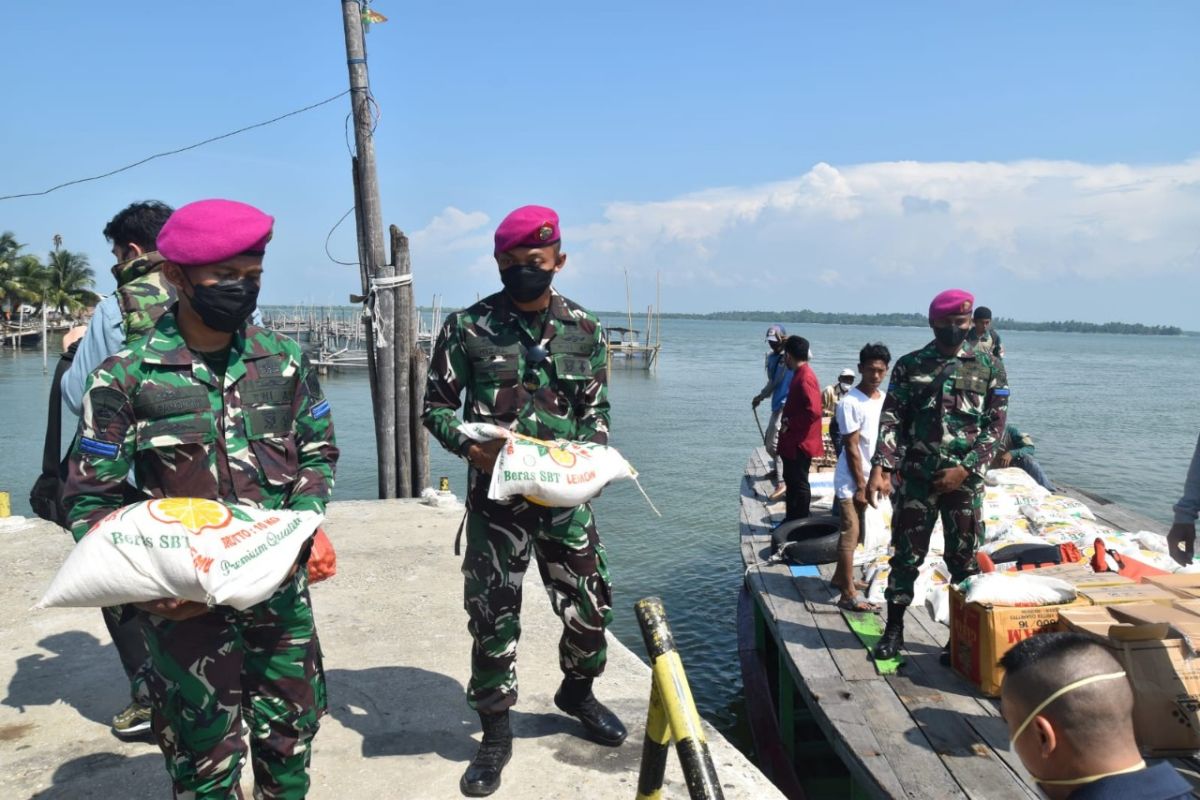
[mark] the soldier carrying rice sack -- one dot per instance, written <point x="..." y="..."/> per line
<point x="208" y="406"/>
<point x="531" y="361"/>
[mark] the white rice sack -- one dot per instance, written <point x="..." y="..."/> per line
<point x="1149" y="540"/>
<point x="878" y="585"/>
<point x="876" y="536"/>
<point x="184" y="548"/>
<point x="1013" y="478"/>
<point x="937" y="603"/>
<point x="1017" y="589"/>
<point x="1057" y="508"/>
<point x="559" y="474"/>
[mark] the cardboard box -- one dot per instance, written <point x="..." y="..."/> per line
<point x="1131" y="593"/>
<point x="1184" y="585"/>
<point x="981" y="633"/>
<point x="1152" y="643"/>
<point x="1190" y="606"/>
<point x="1081" y="575"/>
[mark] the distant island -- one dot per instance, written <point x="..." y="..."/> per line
<point x="807" y="317"/>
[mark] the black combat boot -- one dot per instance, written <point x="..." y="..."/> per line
<point x="892" y="640"/>
<point x="575" y="698"/>
<point x="483" y="773"/>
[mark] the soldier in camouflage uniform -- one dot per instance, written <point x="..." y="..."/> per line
<point x="532" y="361"/>
<point x="983" y="337"/>
<point x="941" y="421"/>
<point x="141" y="297"/>
<point x="209" y="406"/>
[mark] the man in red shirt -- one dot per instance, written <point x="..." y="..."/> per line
<point x="800" y="431"/>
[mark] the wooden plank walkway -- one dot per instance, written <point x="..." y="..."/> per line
<point x="922" y="733"/>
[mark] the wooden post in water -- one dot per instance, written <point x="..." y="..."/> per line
<point x="420" y="436"/>
<point x="402" y="353"/>
<point x="369" y="215"/>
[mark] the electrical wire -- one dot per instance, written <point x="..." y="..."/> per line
<point x="181" y="149"/>
<point x="329" y="236"/>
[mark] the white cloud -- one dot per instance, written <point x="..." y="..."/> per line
<point x="452" y="229"/>
<point x="1031" y="235"/>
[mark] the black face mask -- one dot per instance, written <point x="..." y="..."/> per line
<point x="225" y="306"/>
<point x="526" y="282"/>
<point x="952" y="336"/>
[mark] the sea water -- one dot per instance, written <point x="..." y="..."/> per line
<point x="1116" y="415"/>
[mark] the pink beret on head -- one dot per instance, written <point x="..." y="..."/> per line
<point x="528" y="226"/>
<point x="211" y="231"/>
<point x="951" y="301"/>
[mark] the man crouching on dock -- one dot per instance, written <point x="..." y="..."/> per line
<point x="534" y="362"/>
<point x="942" y="418"/>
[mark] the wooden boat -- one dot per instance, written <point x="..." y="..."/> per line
<point x="820" y="711"/>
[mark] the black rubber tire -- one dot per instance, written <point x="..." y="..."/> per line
<point x="812" y="540"/>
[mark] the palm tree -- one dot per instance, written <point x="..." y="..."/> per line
<point x="20" y="275"/>
<point x="68" y="282"/>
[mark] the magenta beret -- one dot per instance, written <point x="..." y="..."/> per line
<point x="951" y="301"/>
<point x="211" y="231"/>
<point x="528" y="226"/>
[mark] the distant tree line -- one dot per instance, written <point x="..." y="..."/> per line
<point x="807" y="317"/>
<point x="63" y="283"/>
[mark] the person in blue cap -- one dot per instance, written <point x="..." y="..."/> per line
<point x="779" y="378"/>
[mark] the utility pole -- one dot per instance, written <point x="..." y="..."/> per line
<point x="379" y="270"/>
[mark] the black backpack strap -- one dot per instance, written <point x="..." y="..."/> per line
<point x="46" y="496"/>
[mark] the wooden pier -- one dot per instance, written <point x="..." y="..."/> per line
<point x="922" y="733"/>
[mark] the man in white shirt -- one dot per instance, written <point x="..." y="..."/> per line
<point x="858" y="420"/>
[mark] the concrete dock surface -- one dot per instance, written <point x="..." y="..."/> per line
<point x="396" y="650"/>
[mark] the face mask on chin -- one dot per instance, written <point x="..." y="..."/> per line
<point x="951" y="336"/>
<point x="226" y="305"/>
<point x="526" y="282"/>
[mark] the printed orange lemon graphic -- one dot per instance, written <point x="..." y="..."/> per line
<point x="564" y="457"/>
<point x="192" y="513"/>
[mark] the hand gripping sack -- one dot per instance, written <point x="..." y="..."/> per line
<point x="185" y="548"/>
<point x="559" y="474"/>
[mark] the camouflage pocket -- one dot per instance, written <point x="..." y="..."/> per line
<point x="175" y="431"/>
<point x="276" y="457"/>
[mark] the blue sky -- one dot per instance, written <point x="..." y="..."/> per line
<point x="758" y="155"/>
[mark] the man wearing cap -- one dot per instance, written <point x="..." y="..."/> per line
<point x="779" y="379"/>
<point x="209" y="406"/>
<point x="942" y="420"/>
<point x="831" y="395"/>
<point x="982" y="336"/>
<point x="532" y="361"/>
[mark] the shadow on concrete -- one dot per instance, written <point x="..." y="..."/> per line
<point x="406" y="711"/>
<point x="83" y="673"/>
<point x="403" y="711"/>
<point x="108" y="775"/>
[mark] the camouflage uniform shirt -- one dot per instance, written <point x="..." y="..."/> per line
<point x="263" y="436"/>
<point x="482" y="349"/>
<point x="941" y="412"/>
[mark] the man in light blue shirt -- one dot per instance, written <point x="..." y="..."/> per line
<point x="779" y="379"/>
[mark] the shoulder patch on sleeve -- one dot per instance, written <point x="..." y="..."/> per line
<point x="106" y="403"/>
<point x="1002" y="392"/>
<point x="96" y="447"/>
<point x="320" y="409"/>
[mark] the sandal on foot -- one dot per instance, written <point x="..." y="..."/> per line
<point x="856" y="604"/>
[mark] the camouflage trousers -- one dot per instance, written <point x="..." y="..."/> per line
<point x="572" y="563"/>
<point x="916" y="507"/>
<point x="210" y="672"/>
<point x="125" y="625"/>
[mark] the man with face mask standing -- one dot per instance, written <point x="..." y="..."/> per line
<point x="208" y="406"/>
<point x="141" y="297"/>
<point x="942" y="418"/>
<point x="532" y="361"/>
